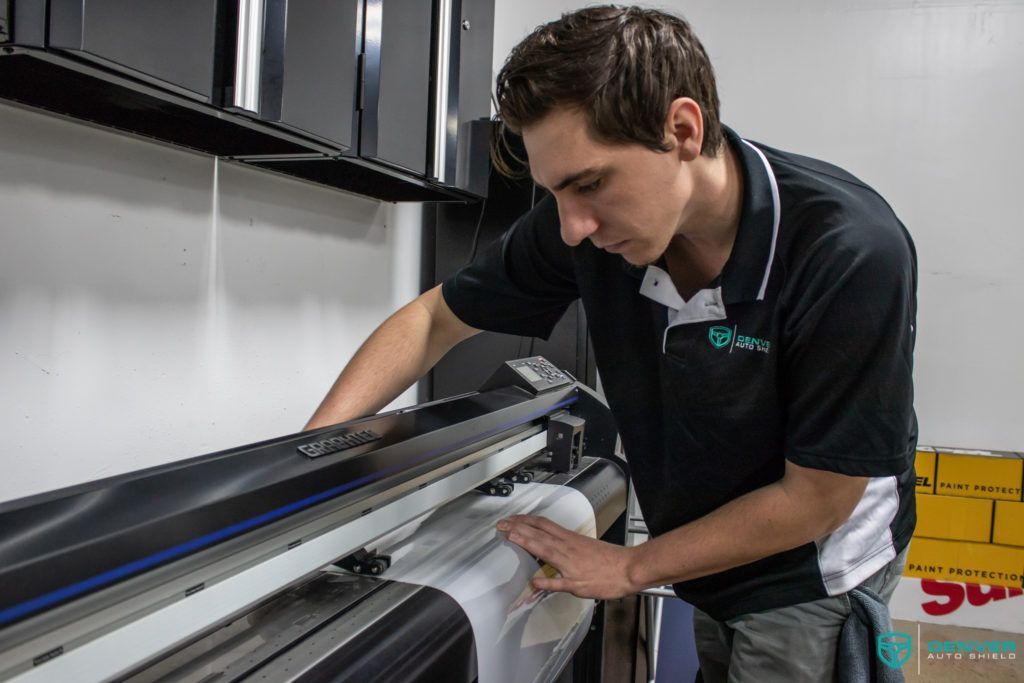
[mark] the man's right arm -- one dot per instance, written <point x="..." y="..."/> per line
<point x="398" y="353"/>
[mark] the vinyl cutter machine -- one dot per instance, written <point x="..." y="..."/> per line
<point x="223" y="567"/>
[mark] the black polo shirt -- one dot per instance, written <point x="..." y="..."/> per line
<point x="800" y="350"/>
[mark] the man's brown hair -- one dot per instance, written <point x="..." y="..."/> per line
<point x="620" y="66"/>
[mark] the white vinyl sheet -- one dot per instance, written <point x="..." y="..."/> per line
<point x="522" y="635"/>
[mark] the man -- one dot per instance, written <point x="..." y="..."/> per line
<point x="752" y="316"/>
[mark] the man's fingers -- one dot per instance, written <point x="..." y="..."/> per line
<point x="552" y="585"/>
<point x="542" y="523"/>
<point x="534" y="541"/>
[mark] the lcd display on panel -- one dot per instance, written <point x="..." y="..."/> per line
<point x="529" y="374"/>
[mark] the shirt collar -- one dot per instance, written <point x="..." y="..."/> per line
<point x="745" y="275"/>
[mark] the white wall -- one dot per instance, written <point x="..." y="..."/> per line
<point x="156" y="304"/>
<point x="923" y="100"/>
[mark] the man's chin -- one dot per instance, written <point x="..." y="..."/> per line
<point x="638" y="260"/>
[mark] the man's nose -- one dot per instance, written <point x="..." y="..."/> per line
<point x="577" y="224"/>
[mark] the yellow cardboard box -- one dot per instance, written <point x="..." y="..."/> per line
<point x="979" y="474"/>
<point x="954" y="518"/>
<point x="1008" y="526"/>
<point x="984" y="563"/>
<point x="924" y="467"/>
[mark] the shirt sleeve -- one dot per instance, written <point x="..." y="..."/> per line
<point x="847" y="368"/>
<point x="521" y="283"/>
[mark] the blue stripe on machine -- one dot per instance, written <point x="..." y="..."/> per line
<point x="61" y="594"/>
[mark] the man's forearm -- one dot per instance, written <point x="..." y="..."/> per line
<point x="397" y="354"/>
<point x="759" y="524"/>
<point x="764" y="522"/>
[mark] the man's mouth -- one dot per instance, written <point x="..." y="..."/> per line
<point x="615" y="247"/>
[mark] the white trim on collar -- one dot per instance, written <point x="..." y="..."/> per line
<point x="703" y="306"/>
<point x="776" y="217"/>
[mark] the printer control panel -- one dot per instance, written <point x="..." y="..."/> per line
<point x="535" y="374"/>
<point x="539" y="373"/>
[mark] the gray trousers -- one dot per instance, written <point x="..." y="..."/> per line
<point x="794" y="644"/>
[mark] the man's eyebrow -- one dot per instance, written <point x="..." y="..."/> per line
<point x="569" y="180"/>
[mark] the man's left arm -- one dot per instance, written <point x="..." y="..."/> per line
<point x="804" y="505"/>
<point x="848" y="392"/>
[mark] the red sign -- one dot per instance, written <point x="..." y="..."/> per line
<point x="953" y="595"/>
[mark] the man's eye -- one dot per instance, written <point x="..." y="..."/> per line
<point x="589" y="187"/>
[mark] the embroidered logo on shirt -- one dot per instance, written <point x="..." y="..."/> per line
<point x="719" y="336"/>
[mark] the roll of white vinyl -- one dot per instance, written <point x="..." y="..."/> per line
<point x="522" y="635"/>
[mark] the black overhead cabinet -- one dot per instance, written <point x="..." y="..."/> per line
<point x="398" y="82"/>
<point x="423" y="56"/>
<point x="168" y="43"/>
<point x="423" y="103"/>
<point x="295" y="64"/>
<point x="379" y="97"/>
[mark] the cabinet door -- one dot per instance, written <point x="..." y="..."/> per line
<point x="172" y="43"/>
<point x="396" y="112"/>
<point x="308" y="74"/>
<point x="474" y="36"/>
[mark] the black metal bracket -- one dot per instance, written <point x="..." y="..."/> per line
<point x="501" y="486"/>
<point x="366" y="562"/>
<point x="521" y="476"/>
<point x="565" y="441"/>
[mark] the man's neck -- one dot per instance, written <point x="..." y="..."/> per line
<point x="703" y="243"/>
<point x="717" y="203"/>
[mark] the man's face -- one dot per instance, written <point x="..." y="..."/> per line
<point x="625" y="198"/>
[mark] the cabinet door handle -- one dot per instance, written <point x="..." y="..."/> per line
<point x="444" y="22"/>
<point x="247" y="55"/>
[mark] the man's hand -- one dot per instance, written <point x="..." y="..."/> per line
<point x="589" y="568"/>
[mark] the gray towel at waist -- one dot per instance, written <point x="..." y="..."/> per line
<point x="858" y="659"/>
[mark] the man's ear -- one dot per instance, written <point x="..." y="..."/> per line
<point x="684" y="128"/>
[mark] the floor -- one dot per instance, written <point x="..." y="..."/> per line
<point x="963" y="670"/>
